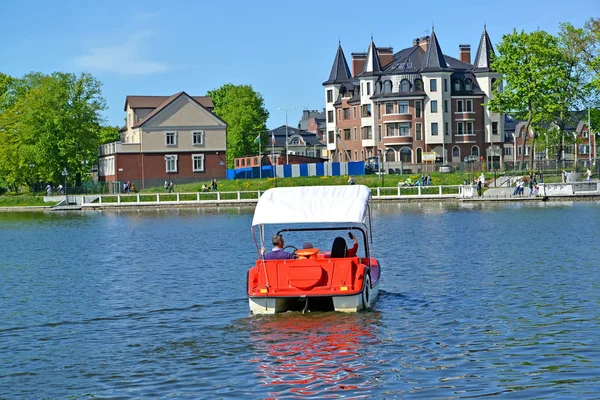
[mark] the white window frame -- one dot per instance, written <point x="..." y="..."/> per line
<point x="168" y="159"/>
<point x="469" y="127"/>
<point x="386" y="107"/>
<point x="201" y="134"/>
<point x="174" y="133"/>
<point x="418" y="109"/>
<point x="437" y="129"/>
<point x="199" y="157"/>
<point x="403" y="105"/>
<point x="460" y="107"/>
<point x="459" y="131"/>
<point x="431" y="106"/>
<point x="418" y="131"/>
<point x="468" y="105"/>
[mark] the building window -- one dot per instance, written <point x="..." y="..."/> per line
<point x="330" y="137"/>
<point x="457" y="85"/>
<point x="368" y="88"/>
<point x="446" y="130"/>
<point x="347" y="134"/>
<point x="418" y="131"/>
<point x="459" y="106"/>
<point x="330" y="96"/>
<point x="508" y="151"/>
<point x="339" y="114"/>
<point x="475" y="151"/>
<point x="404" y="129"/>
<point x="365" y="110"/>
<point x="445" y="105"/>
<point x="366" y="132"/>
<point x="468" y="85"/>
<point x="355" y="137"/>
<point x="469" y="105"/>
<point x="403" y="107"/>
<point x="418" y="109"/>
<point x="469" y="128"/>
<point x="584" y="134"/>
<point x="379" y="133"/>
<point x="583" y="149"/>
<point x="198" y="138"/>
<point x="389" y="108"/>
<point x="520" y="150"/>
<point x="494" y="128"/>
<point x="330" y="116"/>
<point x="445" y="85"/>
<point x="387" y="87"/>
<point x="355" y="154"/>
<point x="433" y="106"/>
<point x="198" y="162"/>
<point x="406" y="155"/>
<point x="354" y="112"/>
<point x="456" y="153"/>
<point x="460" y="128"/>
<point x="404" y="85"/>
<point x="433" y="85"/>
<point x="419" y="85"/>
<point x="171" y="138"/>
<point x="171" y="163"/>
<point x="346" y="113"/>
<point x="419" y="155"/>
<point x="434" y="128"/>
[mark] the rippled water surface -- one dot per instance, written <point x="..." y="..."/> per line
<point x="475" y="301"/>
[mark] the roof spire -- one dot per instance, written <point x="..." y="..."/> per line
<point x="485" y="53"/>
<point x="372" y="63"/>
<point x="434" y="58"/>
<point x="340" y="72"/>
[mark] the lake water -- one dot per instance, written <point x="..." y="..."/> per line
<point x="476" y="300"/>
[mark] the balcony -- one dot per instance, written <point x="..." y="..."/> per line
<point x="391" y="118"/>
<point x="397" y="140"/>
<point x="464" y="116"/>
<point x="118" y="147"/>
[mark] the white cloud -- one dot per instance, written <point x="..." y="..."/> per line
<point x="122" y="58"/>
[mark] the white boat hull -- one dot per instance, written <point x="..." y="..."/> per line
<point x="349" y="304"/>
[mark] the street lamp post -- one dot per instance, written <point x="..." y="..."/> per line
<point x="286" y="132"/>
<point x="65" y="173"/>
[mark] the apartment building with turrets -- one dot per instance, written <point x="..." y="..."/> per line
<point x="414" y="105"/>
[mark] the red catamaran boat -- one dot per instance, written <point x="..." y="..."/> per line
<point x="316" y="279"/>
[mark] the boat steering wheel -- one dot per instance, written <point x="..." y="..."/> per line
<point x="291" y="247"/>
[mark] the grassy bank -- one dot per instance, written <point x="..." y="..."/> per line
<point x="373" y="181"/>
<point x="23" y="200"/>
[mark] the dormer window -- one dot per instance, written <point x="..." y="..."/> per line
<point x="387" y="87"/>
<point x="457" y="85"/>
<point x="404" y="85"/>
<point x="468" y="85"/>
<point x="419" y="85"/>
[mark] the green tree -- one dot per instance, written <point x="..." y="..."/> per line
<point x="50" y="122"/>
<point x="244" y="111"/>
<point x="532" y="66"/>
<point x="109" y="134"/>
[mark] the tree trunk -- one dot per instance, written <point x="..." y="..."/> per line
<point x="524" y="141"/>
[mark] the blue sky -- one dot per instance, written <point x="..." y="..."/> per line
<point x="284" y="49"/>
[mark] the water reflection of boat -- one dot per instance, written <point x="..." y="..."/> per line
<point x="318" y="355"/>
<point x="316" y="280"/>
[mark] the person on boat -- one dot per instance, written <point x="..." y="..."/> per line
<point x="278" y="253"/>
<point x="339" y="249"/>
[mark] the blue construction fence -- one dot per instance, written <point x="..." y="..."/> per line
<point x="296" y="170"/>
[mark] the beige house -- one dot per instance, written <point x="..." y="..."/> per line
<point x="174" y="138"/>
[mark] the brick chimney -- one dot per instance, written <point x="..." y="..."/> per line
<point x="422" y="42"/>
<point x="464" y="51"/>
<point x="358" y="63"/>
<point x="386" y="55"/>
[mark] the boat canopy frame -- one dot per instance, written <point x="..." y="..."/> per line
<point x="336" y="228"/>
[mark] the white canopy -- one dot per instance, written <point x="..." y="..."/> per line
<point x="313" y="204"/>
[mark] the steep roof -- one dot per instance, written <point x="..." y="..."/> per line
<point x="309" y="138"/>
<point x="164" y="104"/>
<point x="340" y="72"/>
<point x="372" y="63"/>
<point x="155" y="101"/>
<point x="485" y="54"/>
<point x="434" y="60"/>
